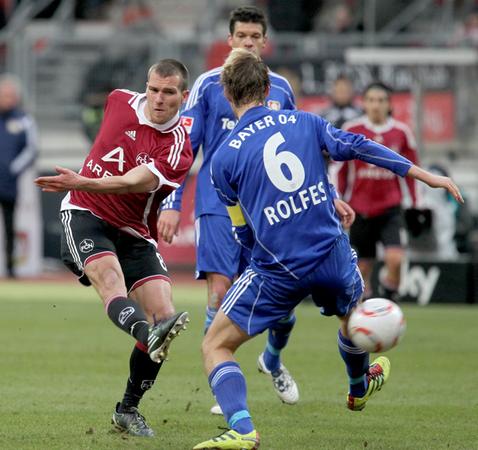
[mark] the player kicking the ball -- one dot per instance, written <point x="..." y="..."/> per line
<point x="143" y="152"/>
<point x="270" y="174"/>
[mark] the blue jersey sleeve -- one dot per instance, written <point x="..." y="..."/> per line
<point x="221" y="179"/>
<point x="290" y="101"/>
<point x="344" y="146"/>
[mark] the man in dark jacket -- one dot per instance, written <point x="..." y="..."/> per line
<point x="17" y="152"/>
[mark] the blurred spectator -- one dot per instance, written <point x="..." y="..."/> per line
<point x="6" y="8"/>
<point x="467" y="32"/>
<point x="117" y="67"/>
<point x="336" y="18"/>
<point x="436" y="239"/>
<point x="17" y="152"/>
<point x="92" y="9"/>
<point x="448" y="232"/>
<point x="342" y="108"/>
<point x="298" y="15"/>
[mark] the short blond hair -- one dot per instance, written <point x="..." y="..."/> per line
<point x="245" y="77"/>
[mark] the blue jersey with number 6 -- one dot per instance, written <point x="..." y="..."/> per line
<point x="272" y="166"/>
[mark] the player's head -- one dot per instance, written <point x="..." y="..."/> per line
<point x="10" y="92"/>
<point x="166" y="90"/>
<point x="245" y="78"/>
<point x="247" y="29"/>
<point x="342" y="92"/>
<point x="377" y="102"/>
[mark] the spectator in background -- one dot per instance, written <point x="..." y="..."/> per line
<point x="115" y="67"/>
<point x="437" y="239"/>
<point x="336" y="18"/>
<point x="342" y="108"/>
<point x="467" y="32"/>
<point x="18" y="148"/>
<point x="376" y="195"/>
<point x="296" y="16"/>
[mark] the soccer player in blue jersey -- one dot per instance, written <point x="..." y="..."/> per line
<point x="219" y="258"/>
<point x="270" y="174"/>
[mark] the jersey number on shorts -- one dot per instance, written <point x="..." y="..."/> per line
<point x="274" y="161"/>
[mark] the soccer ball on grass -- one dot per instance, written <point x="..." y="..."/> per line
<point x="376" y="325"/>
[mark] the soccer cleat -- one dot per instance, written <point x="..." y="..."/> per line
<point x="284" y="385"/>
<point x="162" y="333"/>
<point x="231" y="440"/>
<point x="377" y="376"/>
<point x="131" y="422"/>
<point x="216" y="410"/>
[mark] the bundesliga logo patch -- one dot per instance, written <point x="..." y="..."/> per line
<point x="187" y="122"/>
<point x="273" y="104"/>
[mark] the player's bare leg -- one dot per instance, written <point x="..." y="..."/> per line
<point x="217" y="286"/>
<point x="390" y="280"/>
<point x="366" y="267"/>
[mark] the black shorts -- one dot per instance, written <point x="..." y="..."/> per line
<point x="367" y="231"/>
<point x="86" y="237"/>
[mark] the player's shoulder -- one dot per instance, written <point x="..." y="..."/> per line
<point x="205" y="81"/>
<point x="403" y="128"/>
<point x="206" y="78"/>
<point x="278" y="79"/>
<point x="123" y="96"/>
<point x="280" y="82"/>
<point x="358" y="122"/>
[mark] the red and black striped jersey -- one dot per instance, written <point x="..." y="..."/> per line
<point x="125" y="140"/>
<point x="371" y="190"/>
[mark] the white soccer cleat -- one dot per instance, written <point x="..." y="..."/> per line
<point x="284" y="385"/>
<point x="216" y="410"/>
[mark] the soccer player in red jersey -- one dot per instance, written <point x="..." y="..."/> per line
<point x="376" y="194"/>
<point x="109" y="241"/>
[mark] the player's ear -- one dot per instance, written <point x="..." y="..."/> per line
<point x="229" y="40"/>
<point x="185" y="95"/>
<point x="268" y="90"/>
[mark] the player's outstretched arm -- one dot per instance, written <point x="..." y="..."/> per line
<point x="436" y="181"/>
<point x="137" y="180"/>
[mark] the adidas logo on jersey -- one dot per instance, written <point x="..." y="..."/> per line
<point x="131" y="134"/>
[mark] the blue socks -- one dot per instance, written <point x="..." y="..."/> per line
<point x="229" y="387"/>
<point x="276" y="341"/>
<point x="210" y="314"/>
<point x="357" y="362"/>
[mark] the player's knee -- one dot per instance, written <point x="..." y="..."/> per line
<point x="394" y="258"/>
<point x="104" y="275"/>
<point x="217" y="292"/>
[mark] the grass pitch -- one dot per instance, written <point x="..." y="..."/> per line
<point x="64" y="366"/>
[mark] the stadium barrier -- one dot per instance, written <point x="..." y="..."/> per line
<point x="425" y="282"/>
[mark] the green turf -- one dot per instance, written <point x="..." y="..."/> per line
<point x="63" y="366"/>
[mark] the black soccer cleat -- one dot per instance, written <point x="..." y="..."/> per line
<point x="132" y="422"/>
<point x="161" y="335"/>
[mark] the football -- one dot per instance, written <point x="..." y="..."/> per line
<point x="376" y="325"/>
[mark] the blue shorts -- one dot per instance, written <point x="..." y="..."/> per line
<point x="217" y="250"/>
<point x="257" y="302"/>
